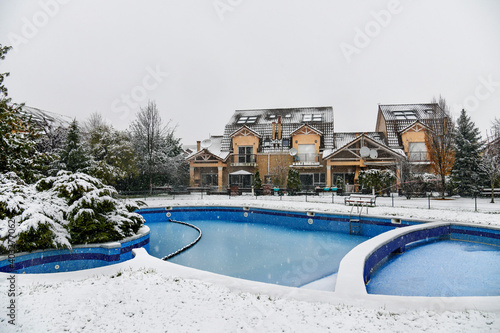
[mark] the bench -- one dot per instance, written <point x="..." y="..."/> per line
<point x="360" y="200"/>
<point x="487" y="192"/>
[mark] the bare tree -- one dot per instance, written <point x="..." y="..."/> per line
<point x="440" y="142"/>
<point x="157" y="148"/>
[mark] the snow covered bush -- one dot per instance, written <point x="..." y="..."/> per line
<point x="30" y="219"/>
<point x="93" y="214"/>
<point x="56" y="212"/>
<point x="377" y="179"/>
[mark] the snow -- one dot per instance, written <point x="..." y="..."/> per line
<point x="146" y="294"/>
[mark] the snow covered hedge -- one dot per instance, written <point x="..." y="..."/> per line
<point x="56" y="212"/>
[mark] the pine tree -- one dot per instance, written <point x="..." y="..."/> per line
<point x="466" y="170"/>
<point x="74" y="157"/>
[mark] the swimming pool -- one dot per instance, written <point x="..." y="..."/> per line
<point x="255" y="251"/>
<point x="280" y="247"/>
<point x="294" y="248"/>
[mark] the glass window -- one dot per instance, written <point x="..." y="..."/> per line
<point x="417" y="151"/>
<point x="307" y="117"/>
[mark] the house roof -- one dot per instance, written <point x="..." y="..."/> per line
<point x="399" y="116"/>
<point x="260" y="121"/>
<point x="214" y="149"/>
<point x="344" y="139"/>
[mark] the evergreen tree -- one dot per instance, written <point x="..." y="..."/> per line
<point x="74" y="157"/>
<point x="257" y="180"/>
<point x="293" y="180"/>
<point x="18" y="135"/>
<point x="466" y="170"/>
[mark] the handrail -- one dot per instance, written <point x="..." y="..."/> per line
<point x="187" y="246"/>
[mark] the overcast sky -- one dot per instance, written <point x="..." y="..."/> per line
<point x="201" y="60"/>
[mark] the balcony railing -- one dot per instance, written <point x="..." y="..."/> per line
<point x="243" y="160"/>
<point x="307" y="159"/>
<point x="417" y="156"/>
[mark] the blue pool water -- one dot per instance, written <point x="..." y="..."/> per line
<point x="440" y="268"/>
<point x="254" y="251"/>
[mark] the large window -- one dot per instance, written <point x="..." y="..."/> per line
<point x="312" y="180"/>
<point x="417" y="151"/>
<point x="242" y="181"/>
<point x="245" y="154"/>
<point x="209" y="179"/>
<point x="306" y="153"/>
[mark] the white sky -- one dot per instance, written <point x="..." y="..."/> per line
<point x="78" y="57"/>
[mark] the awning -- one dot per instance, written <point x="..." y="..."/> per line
<point x="241" y="172"/>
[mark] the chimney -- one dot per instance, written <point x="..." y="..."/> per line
<point x="279" y="127"/>
<point x="274" y="130"/>
<point x="198" y="145"/>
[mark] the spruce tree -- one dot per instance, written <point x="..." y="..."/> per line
<point x="74" y="157"/>
<point x="466" y="170"/>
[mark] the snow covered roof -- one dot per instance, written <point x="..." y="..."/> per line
<point x="344" y="139"/>
<point x="45" y="118"/>
<point x="399" y="116"/>
<point x="260" y="121"/>
<point x="214" y="148"/>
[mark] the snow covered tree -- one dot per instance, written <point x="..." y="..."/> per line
<point x="74" y="157"/>
<point x="293" y="179"/>
<point x="18" y="135"/>
<point x="112" y="154"/>
<point x="440" y="143"/>
<point x="61" y="211"/>
<point x="466" y="170"/>
<point x="159" y="152"/>
<point x="490" y="160"/>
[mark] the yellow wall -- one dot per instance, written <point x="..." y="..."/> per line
<point x="307" y="139"/>
<point x="408" y="137"/>
<point x="239" y="141"/>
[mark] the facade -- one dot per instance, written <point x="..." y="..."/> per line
<point x="274" y="140"/>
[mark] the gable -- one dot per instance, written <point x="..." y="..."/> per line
<point x="306" y="130"/>
<point x="244" y="131"/>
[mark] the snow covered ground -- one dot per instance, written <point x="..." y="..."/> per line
<point x="146" y="294"/>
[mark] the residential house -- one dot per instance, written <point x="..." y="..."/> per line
<point x="274" y="140"/>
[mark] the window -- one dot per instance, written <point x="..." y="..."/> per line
<point x="247" y="120"/>
<point x="312" y="180"/>
<point x="306" y="153"/>
<point x="289" y="115"/>
<point x="272" y="116"/>
<point x="312" y="117"/>
<point x="209" y="179"/>
<point x="286" y="143"/>
<point x="417" y="151"/>
<point x="409" y="114"/>
<point x="245" y="154"/>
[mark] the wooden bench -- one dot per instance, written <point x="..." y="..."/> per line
<point x="487" y="192"/>
<point x="360" y="200"/>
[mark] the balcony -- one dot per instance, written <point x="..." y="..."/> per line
<point x="243" y="160"/>
<point x="311" y="159"/>
<point x="417" y="156"/>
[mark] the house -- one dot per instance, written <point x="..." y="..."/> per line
<point x="405" y="127"/>
<point x="274" y="140"/>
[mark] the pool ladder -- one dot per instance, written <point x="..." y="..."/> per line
<point x="355" y="220"/>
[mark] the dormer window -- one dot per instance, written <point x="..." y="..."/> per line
<point x="272" y="116"/>
<point x="246" y="120"/>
